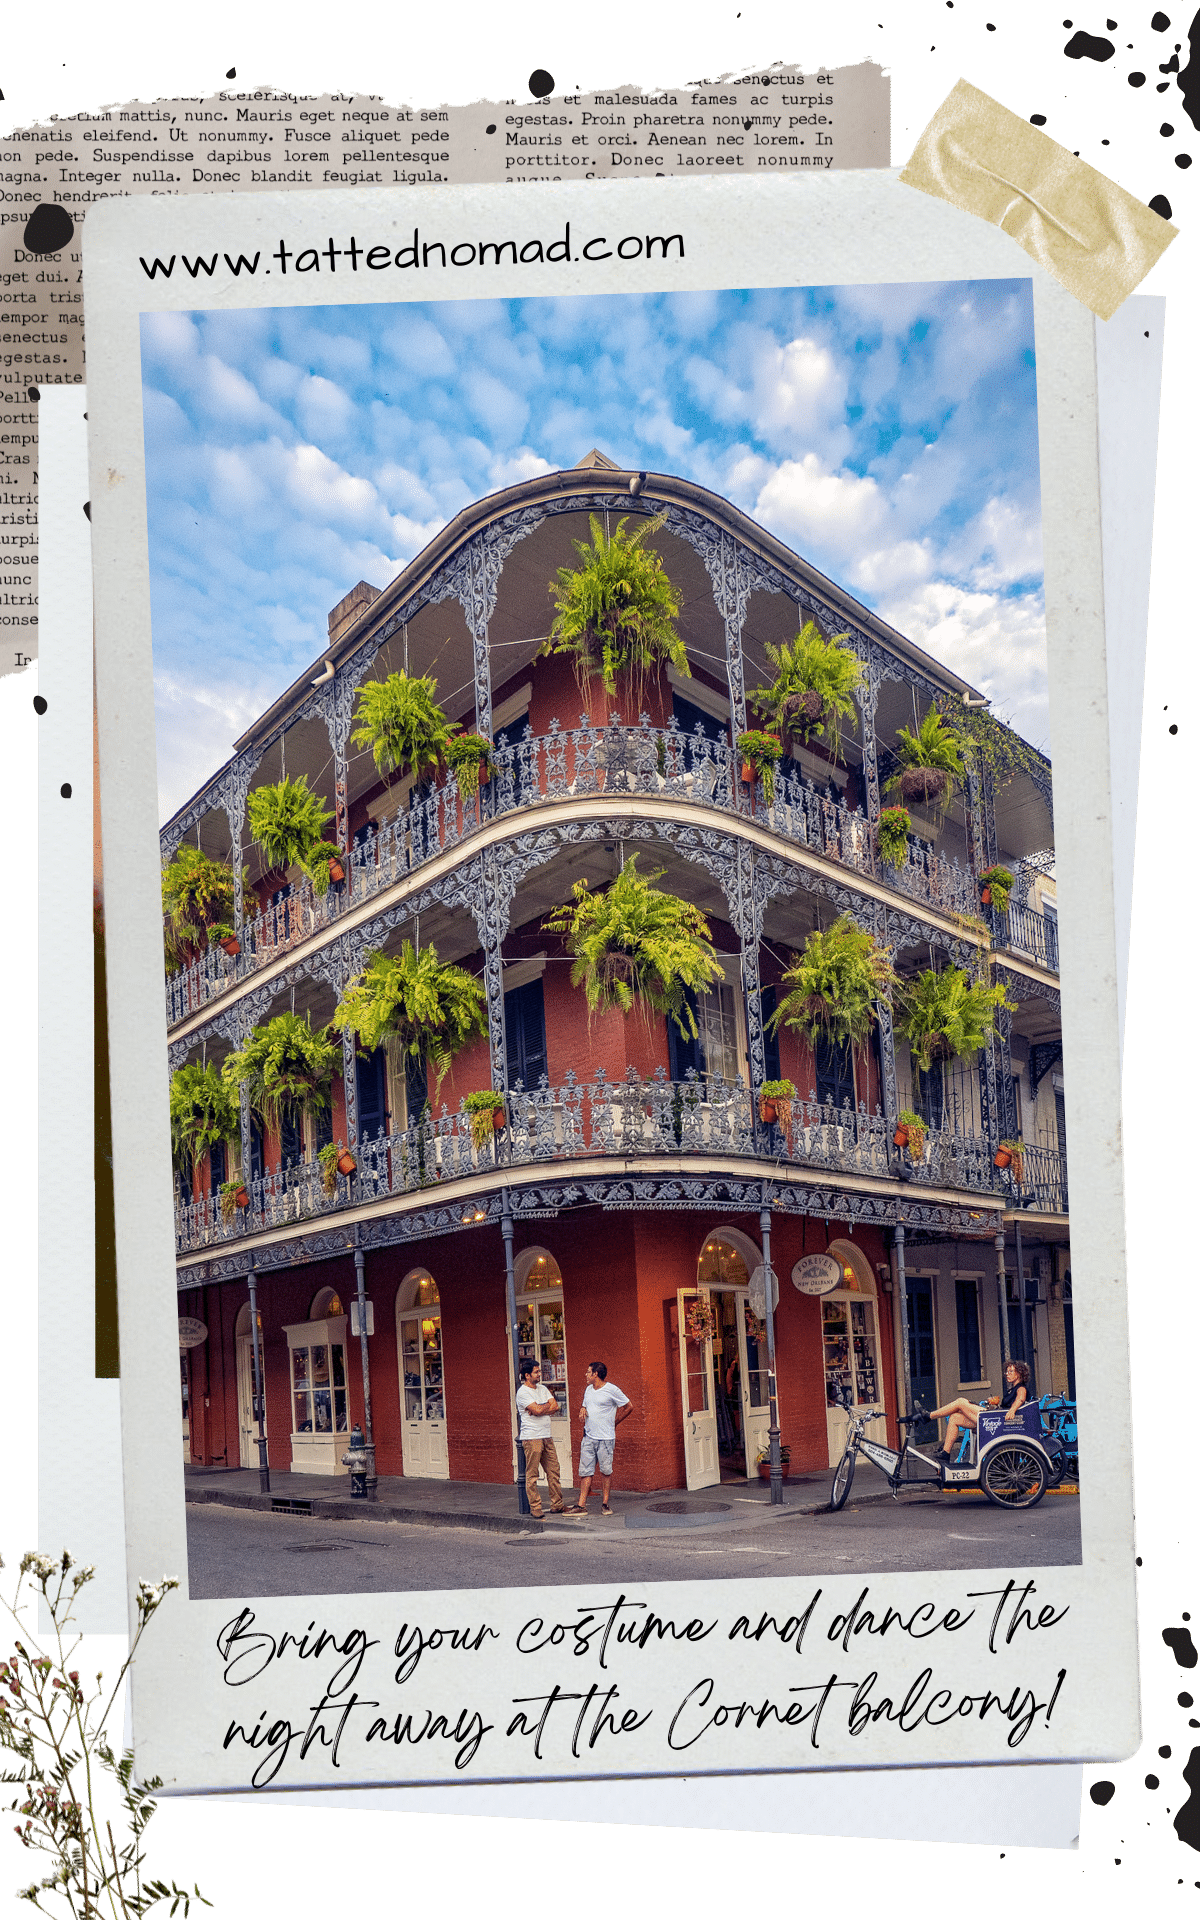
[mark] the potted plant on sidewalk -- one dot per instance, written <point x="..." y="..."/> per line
<point x="615" y="612"/>
<point x="832" y="987"/>
<point x="764" y="1460"/>
<point x="812" y="692"/>
<point x="761" y="753"/>
<point x="401" y="722"/>
<point x="635" y="946"/>
<point x="486" y="1115"/>
<point x="425" y="1009"/>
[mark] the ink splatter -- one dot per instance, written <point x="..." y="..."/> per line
<point x="1103" y="1792"/>
<point x="1166" y="130"/>
<point x="1187" y="1821"/>
<point x="491" y="129"/>
<point x="1152" y="1782"/>
<point x="48" y="229"/>
<point x="541" y="83"/>
<point x="87" y="507"/>
<point x="65" y="789"/>
<point x="1137" y="79"/>
<point x="39" y="704"/>
<point x="1183" y="160"/>
<point x="1037" y="119"/>
<point x="1164" y="1753"/>
<point x="1185" y="1700"/>
<point x="1088" y="46"/>
<point x="1189" y="79"/>
<point x="1160" y="23"/>
<point x="1180" y="1642"/>
<point x="1161" y="205"/>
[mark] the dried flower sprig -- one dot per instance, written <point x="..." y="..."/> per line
<point x="54" y="1725"/>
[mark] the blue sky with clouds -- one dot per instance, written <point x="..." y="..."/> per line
<point x="888" y="434"/>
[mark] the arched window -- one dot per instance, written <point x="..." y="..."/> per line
<point x="422" y="1376"/>
<point x="727" y="1258"/>
<point x="536" y="1271"/>
<point x="417" y="1289"/>
<point x="541" y="1328"/>
<point x="850" y="1332"/>
<point x="326" y="1306"/>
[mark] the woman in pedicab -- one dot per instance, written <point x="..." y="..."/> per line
<point x="963" y="1414"/>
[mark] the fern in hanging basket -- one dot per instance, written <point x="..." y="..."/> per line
<point x="615" y="611"/>
<point x="197" y="903"/>
<point x="910" y="1133"/>
<point x="485" y="1114"/>
<point x="324" y="864"/>
<point x="232" y="1197"/>
<point x="929" y="761"/>
<point x="287" y="1067"/>
<point x="995" y="887"/>
<point x="813" y="689"/>
<point x="425" y="1009"/>
<point x="895" y="825"/>
<point x="469" y="757"/>
<point x="948" y="1015"/>
<point x="635" y="946"/>
<point x="287" y="822"/>
<point x="401" y="722"/>
<point x="834" y="984"/>
<point x="203" y="1113"/>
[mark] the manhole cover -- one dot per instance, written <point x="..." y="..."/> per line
<point x="691" y="1506"/>
<point x="322" y="1546"/>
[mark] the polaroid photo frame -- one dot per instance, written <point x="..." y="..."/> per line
<point x="1036" y="1659"/>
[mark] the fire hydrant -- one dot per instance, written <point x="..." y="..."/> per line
<point x="356" y="1460"/>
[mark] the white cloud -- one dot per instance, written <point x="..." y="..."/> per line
<point x="805" y="501"/>
<point x="887" y="568"/>
<point x="1004" y="544"/>
<point x="323" y="408"/>
<point x="995" y="641"/>
<point x="196" y="726"/>
<point x="323" y="488"/>
<point x="512" y="468"/>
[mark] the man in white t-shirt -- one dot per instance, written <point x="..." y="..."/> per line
<point x="604" y="1407"/>
<point x="535" y="1404"/>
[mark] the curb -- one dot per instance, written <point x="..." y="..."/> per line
<point x="333" y="1509"/>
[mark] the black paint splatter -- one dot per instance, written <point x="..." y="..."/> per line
<point x="541" y="83"/>
<point x="87" y="508"/>
<point x="65" y="789"/>
<point x="1103" y="1792"/>
<point x="491" y="129"/>
<point x="1187" y="1821"/>
<point x="1183" y="160"/>
<point x="1152" y="1782"/>
<point x="1160" y="23"/>
<point x="1088" y="46"/>
<point x="48" y="229"/>
<point x="1185" y="1700"/>
<point x="1137" y="79"/>
<point x="35" y="393"/>
<point x="1180" y="1642"/>
<point x="1161" y="205"/>
<point x="39" y="704"/>
<point x="1166" y="130"/>
<point x="1189" y="79"/>
<point x="1164" y="1753"/>
<point x="1037" y="119"/>
<point x="231" y="73"/>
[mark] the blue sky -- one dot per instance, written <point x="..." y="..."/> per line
<point x="888" y="434"/>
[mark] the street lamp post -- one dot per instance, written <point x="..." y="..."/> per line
<point x="764" y="1222"/>
<point x="510" y="1300"/>
<point x="1002" y="1290"/>
<point x="902" y="1287"/>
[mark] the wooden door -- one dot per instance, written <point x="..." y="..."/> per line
<point x="702" y="1465"/>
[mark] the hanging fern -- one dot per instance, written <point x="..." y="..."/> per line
<point x="948" y="1014"/>
<point x="636" y="946"/>
<point x="427" y="1009"/>
<point x="895" y="824"/>
<point x="286" y="822"/>
<point x="197" y="900"/>
<point x="288" y="1069"/>
<point x="834" y="984"/>
<point x="615" y="612"/>
<point x="930" y="762"/>
<point x="812" y="692"/>
<point x="469" y="757"/>
<point x="762" y="753"/>
<point x="400" y="721"/>
<point x="986" y="741"/>
<point x="203" y="1113"/>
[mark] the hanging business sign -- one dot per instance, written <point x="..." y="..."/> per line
<point x="816" y="1273"/>
<point x="192" y="1333"/>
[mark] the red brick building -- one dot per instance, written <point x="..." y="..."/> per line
<point x="634" y="1171"/>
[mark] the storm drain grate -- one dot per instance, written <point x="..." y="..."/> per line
<point x="691" y="1506"/>
<point x="321" y="1546"/>
<point x="292" y="1506"/>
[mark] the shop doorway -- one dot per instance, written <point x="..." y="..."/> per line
<point x="247" y="1403"/>
<point x="422" y="1377"/>
<point x="850" y="1338"/>
<point x="922" y="1352"/>
<point x="542" y="1336"/>
<point x="740" y="1392"/>
<point x="319" y="1391"/>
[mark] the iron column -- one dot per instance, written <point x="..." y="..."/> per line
<point x="902" y="1286"/>
<point x="264" y="1470"/>
<point x="764" y="1223"/>
<point x="1021" y="1285"/>
<point x="360" y="1280"/>
<point x="510" y="1306"/>
<point x="1003" y="1293"/>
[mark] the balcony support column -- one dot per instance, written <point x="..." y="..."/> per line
<point x="866" y="699"/>
<point x="510" y="1308"/>
<point x="231" y="795"/>
<point x="1002" y="1293"/>
<point x="764" y="1227"/>
<point x="360" y="1295"/>
<point x="258" y="1383"/>
<point x="490" y="911"/>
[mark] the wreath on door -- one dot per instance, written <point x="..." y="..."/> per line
<point x="756" y="1329"/>
<point x="701" y="1320"/>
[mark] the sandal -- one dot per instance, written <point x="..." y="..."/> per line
<point x="606" y="1509"/>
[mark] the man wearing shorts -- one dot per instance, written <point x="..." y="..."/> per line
<point x="604" y="1407"/>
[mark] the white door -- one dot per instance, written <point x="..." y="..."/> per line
<point x="247" y="1408"/>
<point x="426" y="1455"/>
<point x="851" y="1364"/>
<point x="702" y="1465"/>
<point x="756" y="1392"/>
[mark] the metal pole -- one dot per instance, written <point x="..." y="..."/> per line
<point x="902" y="1286"/>
<point x="360" y="1281"/>
<point x="1020" y="1285"/>
<point x="510" y="1307"/>
<point x="764" y="1222"/>
<point x="264" y="1470"/>
<point x="1000" y="1288"/>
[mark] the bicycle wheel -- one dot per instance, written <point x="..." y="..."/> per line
<point x="843" y="1480"/>
<point x="1014" y="1476"/>
<point x="1056" y="1464"/>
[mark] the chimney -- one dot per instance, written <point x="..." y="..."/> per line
<point x="347" y="611"/>
<point x="597" y="459"/>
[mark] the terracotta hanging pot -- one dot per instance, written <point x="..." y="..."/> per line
<point x="336" y="870"/>
<point x="749" y="775"/>
<point x="231" y="944"/>
<point x="768" y="1112"/>
<point x="347" y="1164"/>
<point x="900" y="1137"/>
<point x="986" y="896"/>
<point x="241" y="1198"/>
<point x="1003" y="1158"/>
<point x="499" y="1119"/>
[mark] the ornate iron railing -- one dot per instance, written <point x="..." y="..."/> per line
<point x="564" y="763"/>
<point x="1026" y="931"/>
<point x="630" y="1119"/>
<point x="1042" y="1185"/>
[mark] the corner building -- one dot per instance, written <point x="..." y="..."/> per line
<point x="634" y="1170"/>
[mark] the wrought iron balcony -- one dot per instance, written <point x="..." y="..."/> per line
<point x="564" y="764"/>
<point x="1025" y="931"/>
<point x="1042" y="1184"/>
<point x="625" y="1120"/>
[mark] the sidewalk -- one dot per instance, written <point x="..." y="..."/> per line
<point x="493" y="1509"/>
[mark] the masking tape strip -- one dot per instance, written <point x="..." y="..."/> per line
<point x="1089" y="233"/>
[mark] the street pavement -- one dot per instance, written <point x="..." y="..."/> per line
<point x="234" y="1552"/>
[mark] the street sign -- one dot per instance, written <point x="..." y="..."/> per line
<point x="192" y="1333"/>
<point x="816" y="1273"/>
<point x="354" y="1320"/>
<point x="758" y="1292"/>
